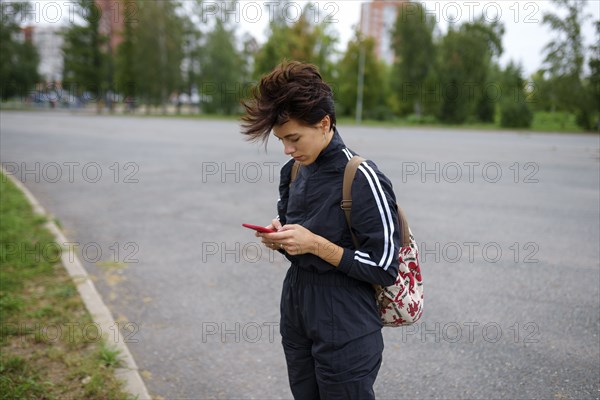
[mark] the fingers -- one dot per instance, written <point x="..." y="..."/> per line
<point x="274" y="245"/>
<point x="284" y="238"/>
<point x="276" y="224"/>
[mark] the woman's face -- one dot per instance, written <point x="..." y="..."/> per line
<point x="303" y="143"/>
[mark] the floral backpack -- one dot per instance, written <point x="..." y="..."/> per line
<point x="401" y="303"/>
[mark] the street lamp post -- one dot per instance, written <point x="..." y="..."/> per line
<point x="361" y="82"/>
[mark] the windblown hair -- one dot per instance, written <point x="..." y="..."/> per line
<point x="293" y="90"/>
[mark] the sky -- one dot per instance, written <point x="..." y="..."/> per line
<point x="524" y="38"/>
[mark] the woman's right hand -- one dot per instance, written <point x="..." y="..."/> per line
<point x="275" y="225"/>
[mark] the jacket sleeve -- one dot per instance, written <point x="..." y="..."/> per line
<point x="374" y="219"/>
<point x="284" y="190"/>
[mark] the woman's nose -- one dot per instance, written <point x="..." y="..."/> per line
<point x="288" y="149"/>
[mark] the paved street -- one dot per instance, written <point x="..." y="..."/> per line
<point x="508" y="226"/>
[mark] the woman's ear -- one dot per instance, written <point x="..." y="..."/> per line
<point x="326" y="124"/>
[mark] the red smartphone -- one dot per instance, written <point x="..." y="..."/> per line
<point x="259" y="228"/>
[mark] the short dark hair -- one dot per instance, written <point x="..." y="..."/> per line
<point x="292" y="90"/>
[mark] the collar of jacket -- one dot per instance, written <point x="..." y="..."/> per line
<point x="334" y="146"/>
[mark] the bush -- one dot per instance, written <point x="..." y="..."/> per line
<point x="515" y="115"/>
<point x="379" y="113"/>
<point x="555" y="122"/>
<point x="485" y="110"/>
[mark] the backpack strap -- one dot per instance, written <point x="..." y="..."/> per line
<point x="403" y="227"/>
<point x="295" y="169"/>
<point x="346" y="204"/>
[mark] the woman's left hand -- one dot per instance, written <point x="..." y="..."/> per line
<point x="294" y="239"/>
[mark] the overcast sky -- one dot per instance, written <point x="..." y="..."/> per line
<point x="524" y="39"/>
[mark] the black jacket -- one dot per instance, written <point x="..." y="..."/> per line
<point x="313" y="201"/>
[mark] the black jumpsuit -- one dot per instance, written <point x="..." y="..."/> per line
<point x="330" y="328"/>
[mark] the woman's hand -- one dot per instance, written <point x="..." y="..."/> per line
<point x="294" y="239"/>
<point x="276" y="226"/>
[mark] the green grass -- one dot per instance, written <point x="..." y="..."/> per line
<point x="18" y="381"/>
<point x="110" y="357"/>
<point x="542" y="122"/>
<point x="409" y="123"/>
<point x="555" y="122"/>
<point x="37" y="298"/>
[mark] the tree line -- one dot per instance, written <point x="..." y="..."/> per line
<point x="184" y="47"/>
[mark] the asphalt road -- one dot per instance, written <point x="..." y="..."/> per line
<point x="508" y="226"/>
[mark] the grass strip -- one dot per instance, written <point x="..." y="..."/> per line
<point x="49" y="346"/>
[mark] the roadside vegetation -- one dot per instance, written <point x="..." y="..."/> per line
<point x="49" y="346"/>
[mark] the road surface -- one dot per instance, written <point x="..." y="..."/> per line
<point x="507" y="222"/>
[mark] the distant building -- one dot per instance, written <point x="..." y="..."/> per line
<point x="111" y="21"/>
<point x="48" y="41"/>
<point x="377" y="19"/>
<point x="26" y="34"/>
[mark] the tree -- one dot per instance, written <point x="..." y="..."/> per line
<point x="19" y="60"/>
<point x="324" y="50"/>
<point x="275" y="49"/>
<point x="540" y="97"/>
<point x="222" y="71"/>
<point x="158" y="48"/>
<point x="464" y="61"/>
<point x="412" y="41"/>
<point x="514" y="109"/>
<point x="193" y="20"/>
<point x="192" y="55"/>
<point x="564" y="54"/>
<point x="375" y="80"/>
<point x="565" y="58"/>
<point x="125" y="65"/>
<point x="490" y="33"/>
<point x="84" y="61"/>
<point x="302" y="40"/>
<point x="594" y="81"/>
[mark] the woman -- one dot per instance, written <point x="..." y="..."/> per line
<point x="330" y="326"/>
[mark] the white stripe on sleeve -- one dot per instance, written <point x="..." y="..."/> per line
<point x="387" y="222"/>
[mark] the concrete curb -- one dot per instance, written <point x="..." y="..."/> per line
<point x="134" y="383"/>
